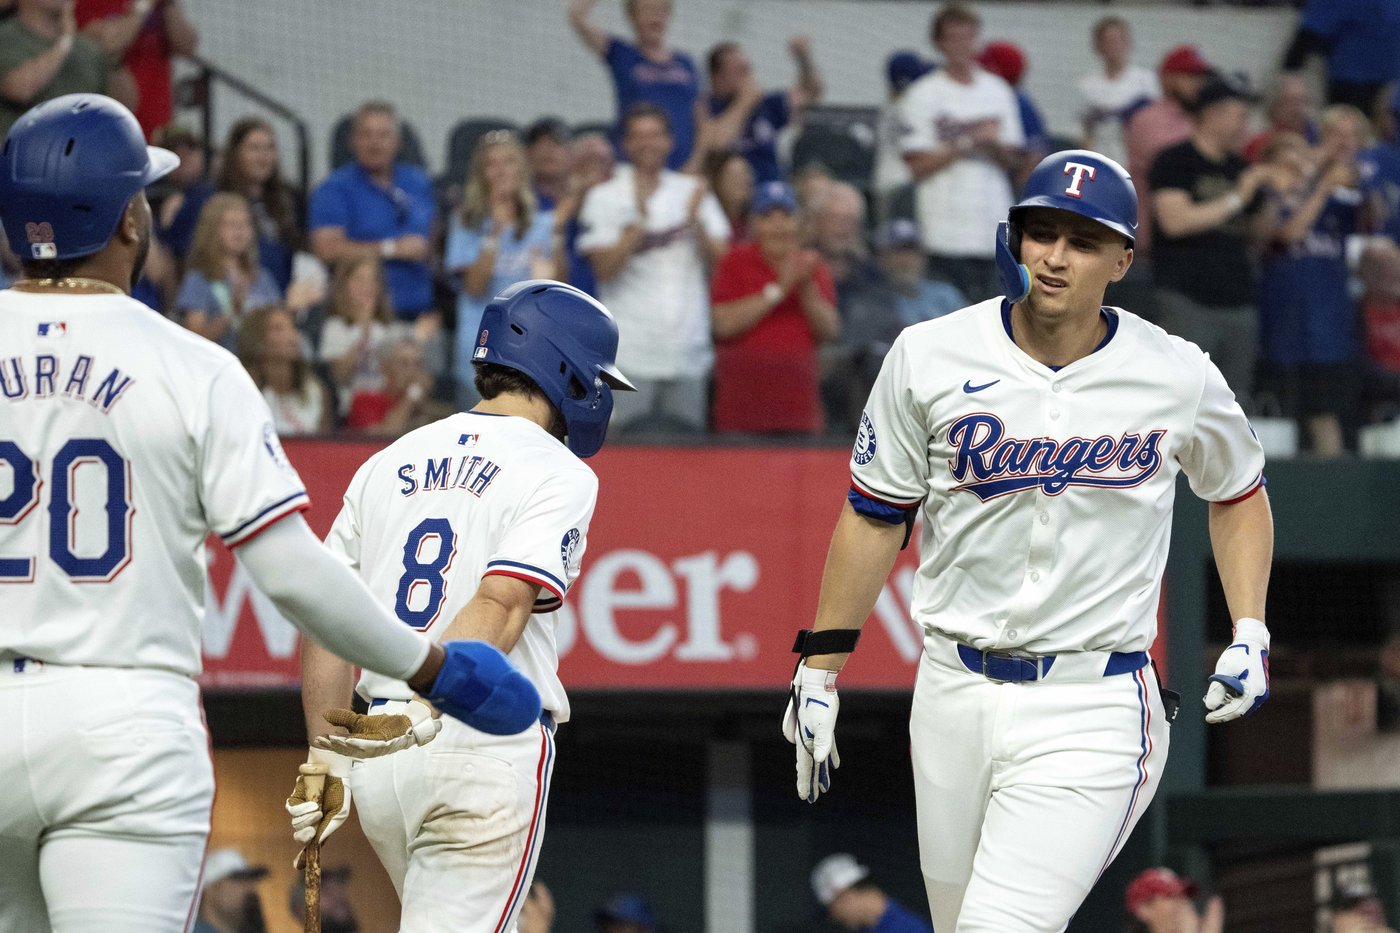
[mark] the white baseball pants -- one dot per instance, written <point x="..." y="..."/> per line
<point x="107" y="788"/>
<point x="1026" y="792"/>
<point x="458" y="824"/>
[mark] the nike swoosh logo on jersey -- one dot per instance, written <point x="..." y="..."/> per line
<point x="969" y="388"/>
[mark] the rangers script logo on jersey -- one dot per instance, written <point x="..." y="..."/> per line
<point x="1000" y="465"/>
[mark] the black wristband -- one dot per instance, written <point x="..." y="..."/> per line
<point x="827" y="641"/>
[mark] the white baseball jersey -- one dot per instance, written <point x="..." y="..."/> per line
<point x="1046" y="495"/>
<point x="124" y="439"/>
<point x="425" y="519"/>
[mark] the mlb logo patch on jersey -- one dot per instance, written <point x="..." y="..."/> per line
<point x="53" y="329"/>
<point x="468" y="440"/>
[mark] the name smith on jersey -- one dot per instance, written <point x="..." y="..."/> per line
<point x="474" y="474"/>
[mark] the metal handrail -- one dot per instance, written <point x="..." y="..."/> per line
<point x="208" y="73"/>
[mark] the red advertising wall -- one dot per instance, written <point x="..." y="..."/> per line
<point x="702" y="564"/>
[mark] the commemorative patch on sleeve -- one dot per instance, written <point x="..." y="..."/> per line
<point x="865" y="440"/>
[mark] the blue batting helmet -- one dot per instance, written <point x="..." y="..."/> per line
<point x="68" y="169"/>
<point x="567" y="343"/>
<point x="1075" y="180"/>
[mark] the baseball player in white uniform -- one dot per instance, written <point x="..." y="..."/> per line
<point x="1038" y="437"/>
<point x="471" y="527"/>
<point x="125" y="440"/>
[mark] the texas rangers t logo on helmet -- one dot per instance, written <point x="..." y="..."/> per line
<point x="1079" y="170"/>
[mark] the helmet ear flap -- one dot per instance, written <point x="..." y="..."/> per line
<point x="1014" y="277"/>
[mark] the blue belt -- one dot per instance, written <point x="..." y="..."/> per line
<point x="546" y="717"/>
<point x="1007" y="668"/>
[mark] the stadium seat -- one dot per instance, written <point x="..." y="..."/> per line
<point x="410" y="149"/>
<point x="848" y="158"/>
<point x="463" y="139"/>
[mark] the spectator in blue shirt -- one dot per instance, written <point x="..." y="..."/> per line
<point x="648" y="72"/>
<point x="497" y="239"/>
<point x="1361" y="41"/>
<point x="377" y="206"/>
<point x="901" y="258"/>
<point x="224" y="282"/>
<point x="843" y="887"/>
<point x="743" y="119"/>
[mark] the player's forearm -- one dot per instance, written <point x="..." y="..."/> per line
<point x="326" y="683"/>
<point x="859" y="561"/>
<point x="1242" y="537"/>
<point x="339" y="611"/>
<point x="496" y="614"/>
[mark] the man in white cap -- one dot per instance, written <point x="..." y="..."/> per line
<point x="844" y="888"/>
<point x="228" y="900"/>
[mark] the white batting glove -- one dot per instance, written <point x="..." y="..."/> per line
<point x="1240" y="684"/>
<point x="810" y="723"/>
<point x="312" y="819"/>
<point x="374" y="736"/>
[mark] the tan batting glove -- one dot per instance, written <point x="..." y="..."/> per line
<point x="313" y="819"/>
<point x="374" y="736"/>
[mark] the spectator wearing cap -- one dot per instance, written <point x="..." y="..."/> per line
<point x="337" y="911"/>
<point x="962" y="134"/>
<point x="1162" y="123"/>
<point x="647" y="71"/>
<point x="228" y="900"/>
<point x="142" y="35"/>
<point x="624" y="913"/>
<point x="1208" y="211"/>
<point x="376" y="205"/>
<point x="1361" y="42"/>
<point x="917" y="297"/>
<point x="1291" y="109"/>
<point x="650" y="234"/>
<point x="743" y="118"/>
<point x="1114" y="92"/>
<point x="547" y="152"/>
<point x="844" y="889"/>
<point x="1007" y="61"/>
<point x="773" y="305"/>
<point x="892" y="176"/>
<point x="1160" y="901"/>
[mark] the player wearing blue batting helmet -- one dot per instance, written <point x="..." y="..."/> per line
<point x="1074" y="180"/>
<point x="566" y="342"/>
<point x="69" y="168"/>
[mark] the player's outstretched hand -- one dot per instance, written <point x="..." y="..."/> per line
<point x="313" y="819"/>
<point x="1240" y="684"/>
<point x="810" y="723"/>
<point x="478" y="685"/>
<point x="377" y="735"/>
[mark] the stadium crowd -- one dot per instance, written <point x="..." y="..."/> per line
<point x="757" y="278"/>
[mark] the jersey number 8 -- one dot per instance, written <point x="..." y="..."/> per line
<point x="63" y="510"/>
<point x="417" y="574"/>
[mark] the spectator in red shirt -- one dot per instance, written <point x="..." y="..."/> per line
<point x="405" y="402"/>
<point x="142" y="35"/>
<point x="773" y="303"/>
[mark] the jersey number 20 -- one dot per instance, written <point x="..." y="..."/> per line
<point x="63" y="510"/>
<point x="433" y="574"/>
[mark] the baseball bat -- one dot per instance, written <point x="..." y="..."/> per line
<point x="314" y="777"/>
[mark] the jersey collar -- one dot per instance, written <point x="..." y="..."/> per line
<point x="1110" y="319"/>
